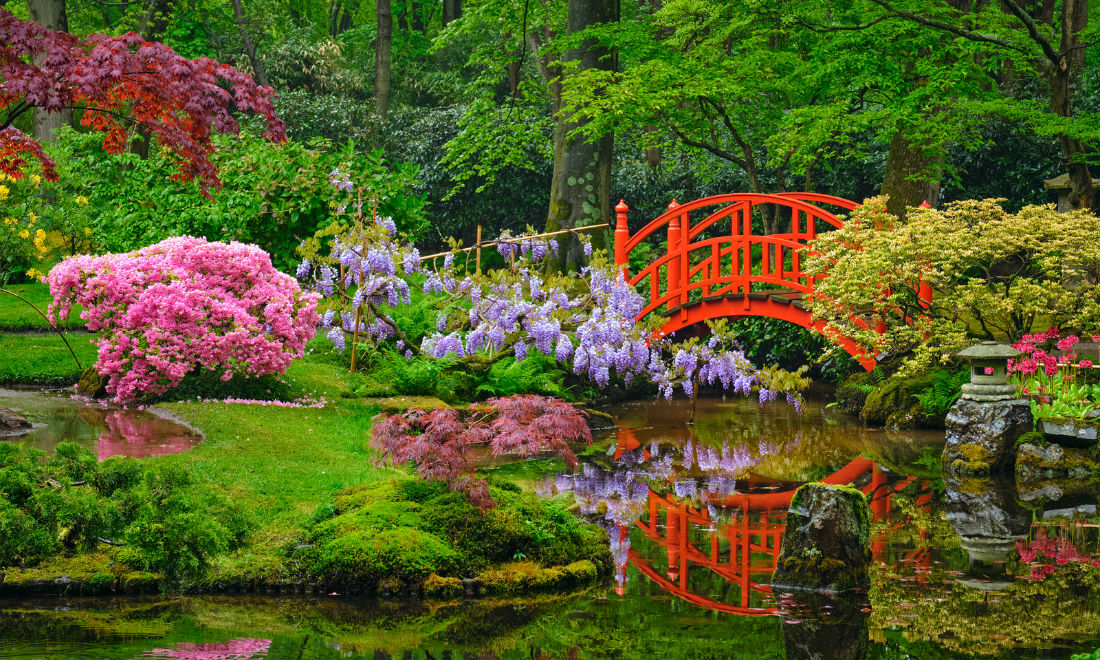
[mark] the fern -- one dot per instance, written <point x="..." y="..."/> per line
<point x="538" y="374"/>
<point x="946" y="386"/>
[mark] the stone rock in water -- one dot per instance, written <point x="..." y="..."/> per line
<point x="982" y="435"/>
<point x="827" y="542"/>
<point x="12" y="422"/>
<point x="92" y="384"/>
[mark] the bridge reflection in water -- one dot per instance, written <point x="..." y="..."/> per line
<point x="736" y="537"/>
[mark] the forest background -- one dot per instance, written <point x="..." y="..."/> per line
<point x="543" y="113"/>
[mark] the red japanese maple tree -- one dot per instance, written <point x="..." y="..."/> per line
<point x="441" y="442"/>
<point x="121" y="82"/>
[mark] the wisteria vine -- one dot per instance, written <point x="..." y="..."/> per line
<point x="587" y="321"/>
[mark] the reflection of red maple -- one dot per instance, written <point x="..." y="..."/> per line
<point x="234" y="649"/>
<point x="141" y="436"/>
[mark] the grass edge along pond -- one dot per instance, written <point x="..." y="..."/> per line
<point x="321" y="514"/>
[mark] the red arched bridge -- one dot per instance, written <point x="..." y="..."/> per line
<point x="715" y="266"/>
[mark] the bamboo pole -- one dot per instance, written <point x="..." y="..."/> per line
<point x="477" y="260"/>
<point x="517" y="239"/>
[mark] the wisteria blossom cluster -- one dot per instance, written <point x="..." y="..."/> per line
<point x="181" y="305"/>
<point x="363" y="272"/>
<point x="587" y="321"/>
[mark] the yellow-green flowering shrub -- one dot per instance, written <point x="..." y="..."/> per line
<point x="994" y="275"/>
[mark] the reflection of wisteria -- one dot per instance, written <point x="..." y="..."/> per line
<point x="619" y="497"/>
<point x="619" y="494"/>
<point x="234" y="649"/>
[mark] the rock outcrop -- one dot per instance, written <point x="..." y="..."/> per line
<point x="826" y="545"/>
<point x="982" y="435"/>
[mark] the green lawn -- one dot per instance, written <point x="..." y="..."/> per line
<point x="15" y="314"/>
<point x="284" y="462"/>
<point x="43" y="358"/>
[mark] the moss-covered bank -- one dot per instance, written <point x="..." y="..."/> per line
<point x="319" y="512"/>
<point x="898" y="401"/>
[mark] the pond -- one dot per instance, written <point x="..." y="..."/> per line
<point x="974" y="569"/>
<point x="106" y="430"/>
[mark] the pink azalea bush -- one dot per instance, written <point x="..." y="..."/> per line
<point x="182" y="304"/>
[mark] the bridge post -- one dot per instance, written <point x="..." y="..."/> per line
<point x="674" y="234"/>
<point x="924" y="289"/>
<point x="622" y="234"/>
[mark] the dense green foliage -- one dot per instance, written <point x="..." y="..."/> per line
<point x="67" y="503"/>
<point x="406" y="530"/>
<point x="993" y="274"/>
<point x="273" y="195"/>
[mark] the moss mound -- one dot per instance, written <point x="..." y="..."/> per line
<point x="895" y="403"/>
<point x="395" y="534"/>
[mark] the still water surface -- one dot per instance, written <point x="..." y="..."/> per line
<point x="106" y="430"/>
<point x="975" y="569"/>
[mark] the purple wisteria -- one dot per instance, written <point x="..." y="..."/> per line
<point x="586" y="321"/>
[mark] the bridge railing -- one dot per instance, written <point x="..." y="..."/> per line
<point x="719" y="253"/>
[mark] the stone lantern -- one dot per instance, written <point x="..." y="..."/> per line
<point x="988" y="372"/>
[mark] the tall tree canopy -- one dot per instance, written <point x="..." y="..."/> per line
<point x="118" y="83"/>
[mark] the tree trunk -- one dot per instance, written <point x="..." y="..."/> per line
<point x="416" y="16"/>
<point x="249" y="46"/>
<point x="1064" y="77"/>
<point x="154" y="22"/>
<point x="912" y="175"/>
<point x="452" y="11"/>
<point x="50" y="14"/>
<point x="340" y="17"/>
<point x="580" y="192"/>
<point x="382" y="58"/>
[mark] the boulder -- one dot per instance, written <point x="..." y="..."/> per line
<point x="982" y="435"/>
<point x="1035" y="462"/>
<point x="826" y="544"/>
<point x="12" y="422"/>
<point x="92" y="384"/>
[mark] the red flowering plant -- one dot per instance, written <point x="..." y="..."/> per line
<point x="1043" y="553"/>
<point x="1049" y="375"/>
<point x="441" y="442"/>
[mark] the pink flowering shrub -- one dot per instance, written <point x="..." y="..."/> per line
<point x="442" y="442"/>
<point x="181" y="305"/>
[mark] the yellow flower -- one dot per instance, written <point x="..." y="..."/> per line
<point x="87" y="231"/>
<point x="35" y="274"/>
<point x="81" y="200"/>
<point x="4" y="192"/>
<point x="24" y="234"/>
<point x="10" y="221"/>
<point x="36" y="179"/>
<point x="32" y="216"/>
